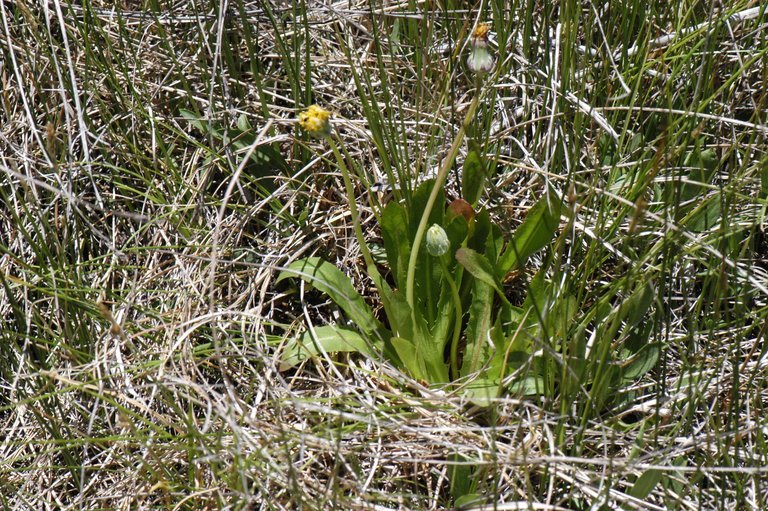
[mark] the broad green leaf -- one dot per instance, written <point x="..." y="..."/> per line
<point x="642" y="362"/>
<point x="646" y="483"/>
<point x="460" y="477"/>
<point x="480" y="268"/>
<point x="563" y="314"/>
<point x="473" y="177"/>
<point x="431" y="351"/>
<point x="480" y="231"/>
<point x="534" y="233"/>
<point x="468" y="501"/>
<point x="702" y="166"/>
<point x="419" y="203"/>
<point x="409" y="355"/>
<point x="531" y="385"/>
<point x="764" y="183"/>
<point x="392" y="304"/>
<point x="330" y="280"/>
<point x="397" y="239"/>
<point x="243" y="124"/>
<point x="637" y="305"/>
<point x="401" y="316"/>
<point x="329" y="339"/>
<point x="441" y="329"/>
<point x="457" y="230"/>
<point x="481" y="391"/>
<point x="478" y="350"/>
<point x="607" y="374"/>
<point x="705" y="215"/>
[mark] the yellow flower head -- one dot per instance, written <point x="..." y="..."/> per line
<point x="480" y="35"/>
<point x="315" y="120"/>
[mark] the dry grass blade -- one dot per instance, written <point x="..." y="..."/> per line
<point x="154" y="183"/>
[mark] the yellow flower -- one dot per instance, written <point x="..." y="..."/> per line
<point x="315" y="120"/>
<point x="480" y="35"/>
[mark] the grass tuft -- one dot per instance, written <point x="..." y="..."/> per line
<point x="154" y="185"/>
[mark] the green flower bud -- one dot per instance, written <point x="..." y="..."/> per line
<point x="437" y="241"/>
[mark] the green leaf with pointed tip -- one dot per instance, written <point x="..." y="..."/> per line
<point x="473" y="177"/>
<point x="764" y="183"/>
<point x="638" y="303"/>
<point x="477" y="350"/>
<point x="243" y="124"/>
<point x="480" y="268"/>
<point x="534" y="233"/>
<point x="460" y="476"/>
<point x="701" y="167"/>
<point x="328" y="279"/>
<point x="329" y="339"/>
<point x="642" y="362"/>
<point x="468" y="501"/>
<point x="528" y="386"/>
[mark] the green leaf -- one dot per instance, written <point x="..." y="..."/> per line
<point x="764" y="183"/>
<point x="646" y="483"/>
<point x="480" y="231"/>
<point x="534" y="233"/>
<point x="637" y="305"/>
<point x="329" y="339"/>
<point x="477" y="350"/>
<point x="473" y="177"/>
<point x="480" y="268"/>
<point x="481" y="391"/>
<point x="642" y="362"/>
<point x="243" y="124"/>
<point x="442" y="327"/>
<point x="328" y="279"/>
<point x="460" y="477"/>
<point x="397" y="239"/>
<point x="702" y="165"/>
<point x="529" y="386"/>
<point x="409" y="355"/>
<point x="419" y="204"/>
<point x="705" y="215"/>
<point x="468" y="501"/>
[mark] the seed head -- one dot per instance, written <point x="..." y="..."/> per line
<point x="480" y="59"/>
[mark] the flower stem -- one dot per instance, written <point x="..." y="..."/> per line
<point x="439" y="181"/>
<point x="352" y="203"/>
<point x="457" y="319"/>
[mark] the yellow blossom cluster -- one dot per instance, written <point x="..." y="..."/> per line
<point x="315" y="120"/>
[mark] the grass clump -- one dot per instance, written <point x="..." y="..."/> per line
<point x="592" y="336"/>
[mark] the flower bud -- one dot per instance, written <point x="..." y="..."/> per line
<point x="437" y="241"/>
<point x="460" y="207"/>
<point x="315" y="121"/>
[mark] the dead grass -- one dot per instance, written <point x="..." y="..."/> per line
<point x="141" y="327"/>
